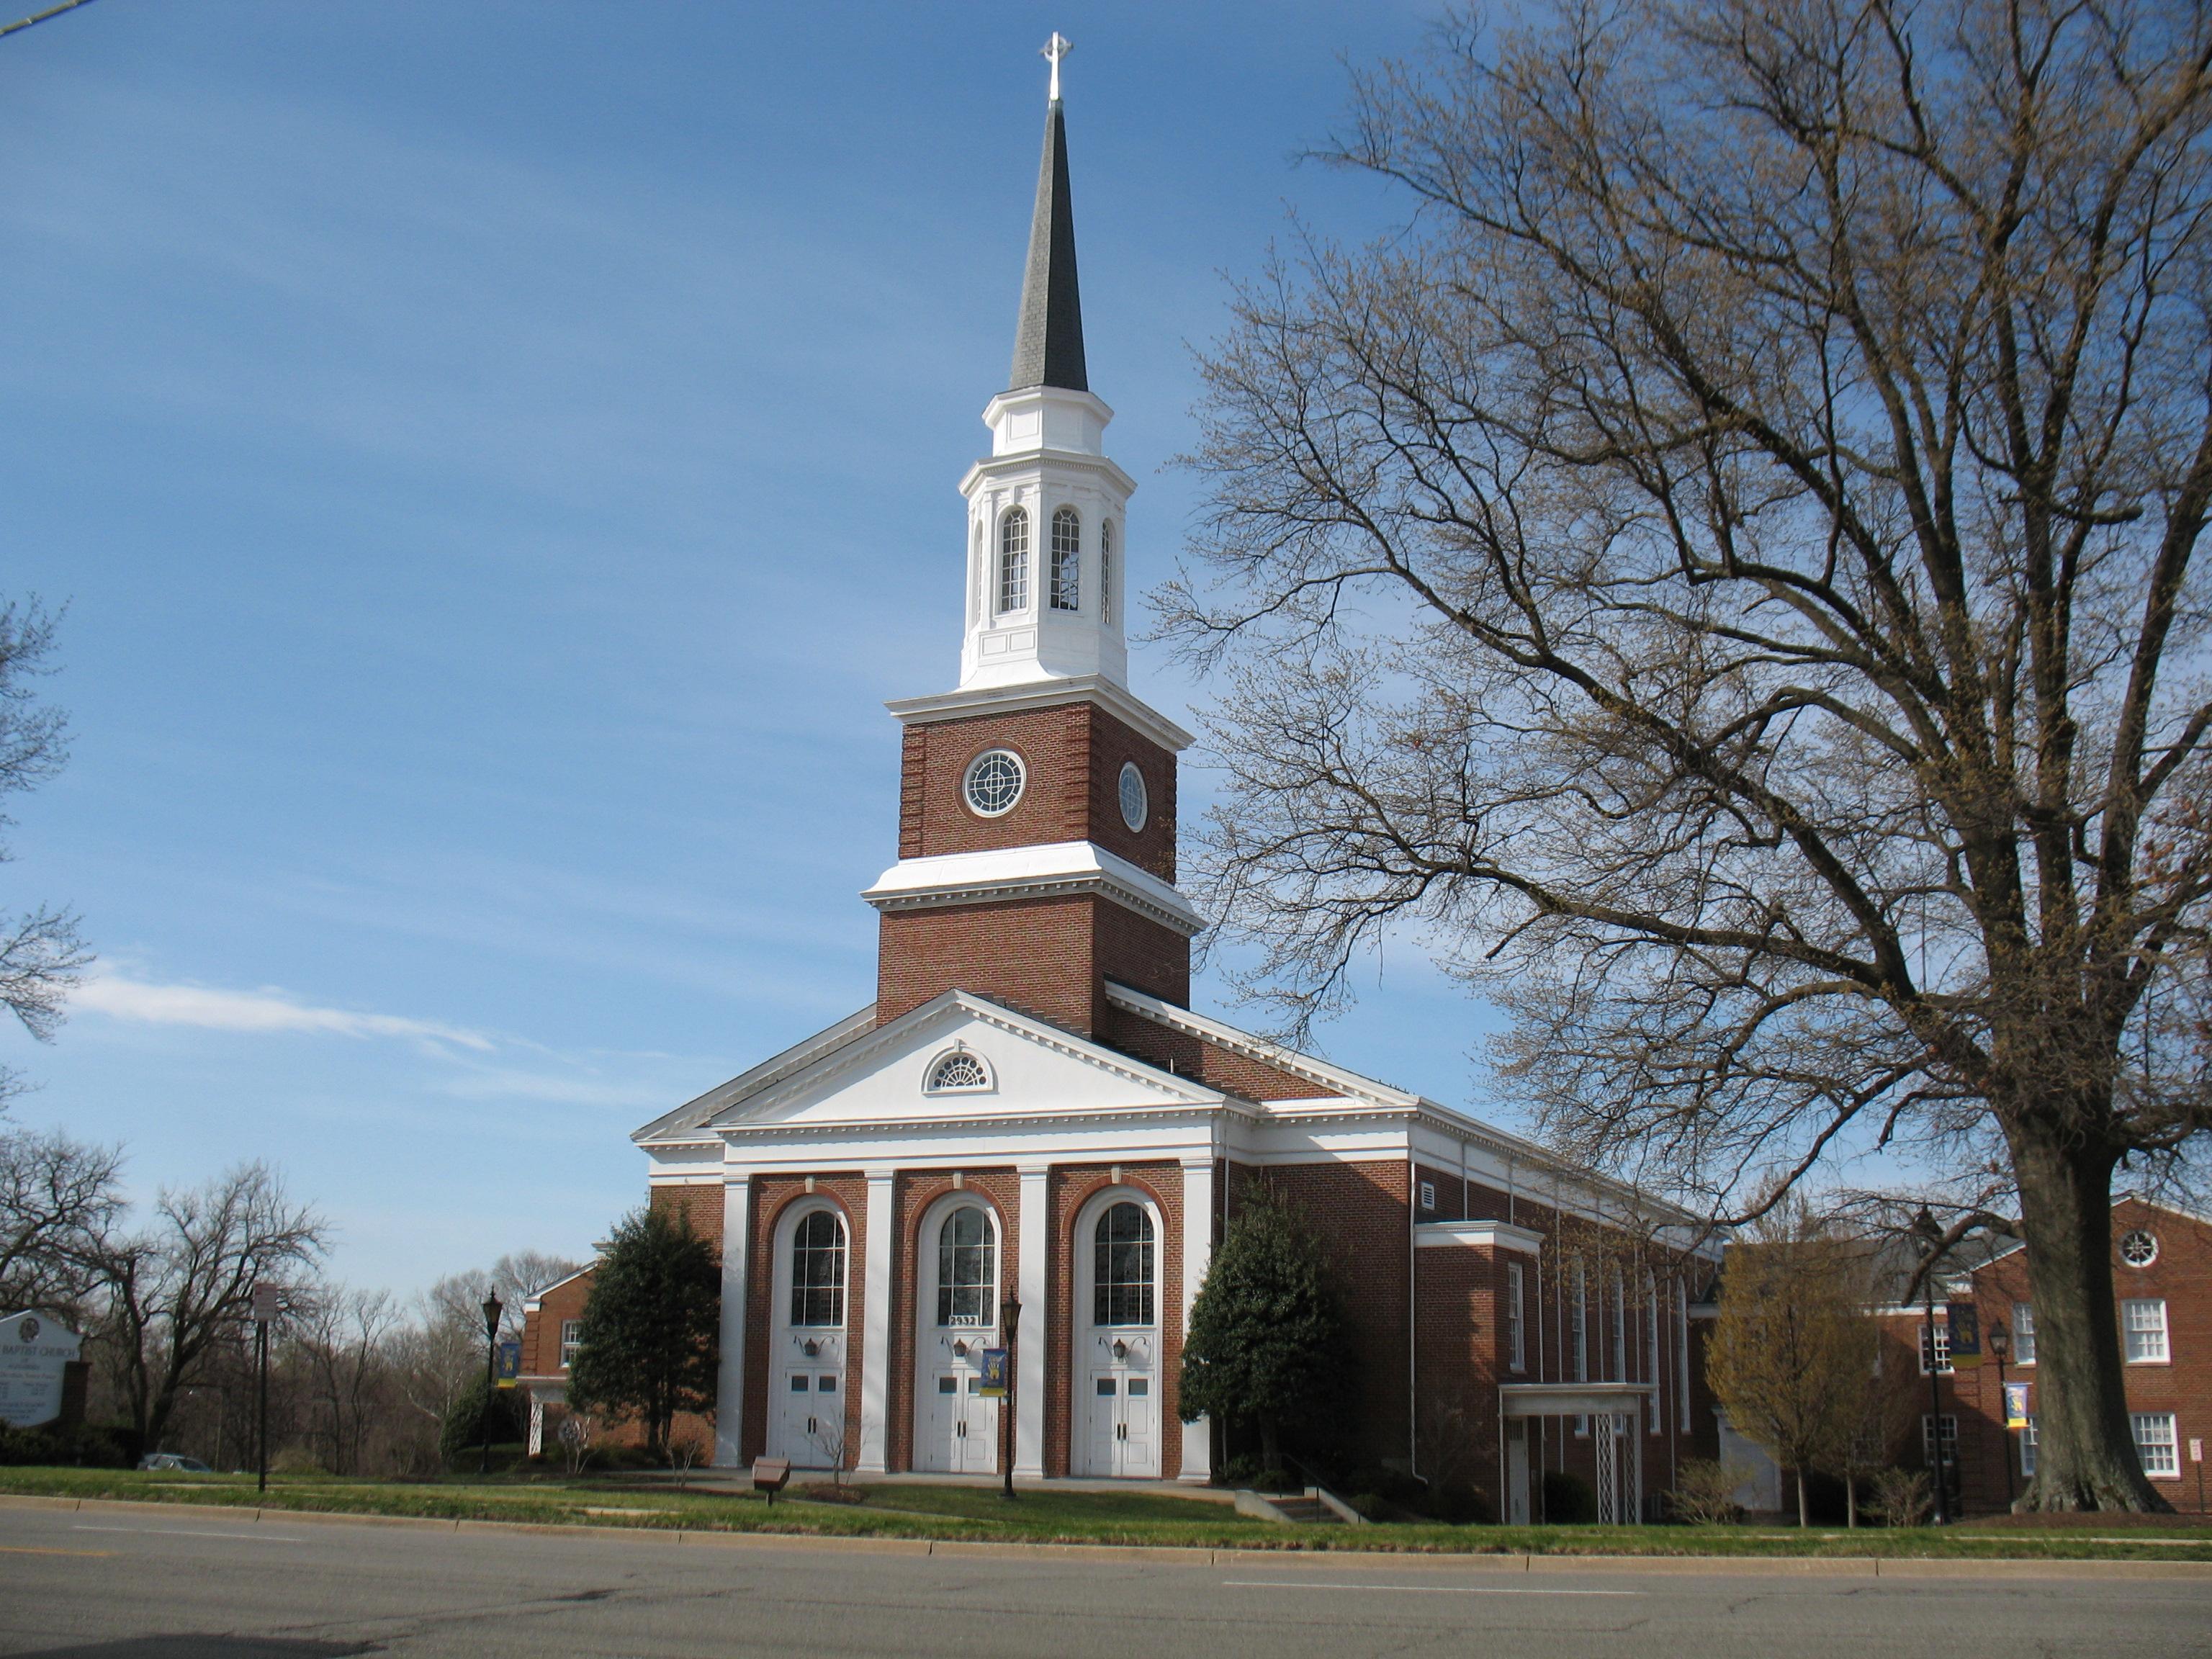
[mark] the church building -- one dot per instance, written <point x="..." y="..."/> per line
<point x="1029" y="1114"/>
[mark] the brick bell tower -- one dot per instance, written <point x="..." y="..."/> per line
<point x="1038" y="801"/>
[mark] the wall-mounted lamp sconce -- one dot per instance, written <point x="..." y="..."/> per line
<point x="812" y="1348"/>
<point x="1120" y="1349"/>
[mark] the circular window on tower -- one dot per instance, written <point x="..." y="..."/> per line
<point x="1136" y="801"/>
<point x="2139" y="1249"/>
<point x="993" y="783"/>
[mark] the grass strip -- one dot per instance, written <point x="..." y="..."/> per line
<point x="893" y="1510"/>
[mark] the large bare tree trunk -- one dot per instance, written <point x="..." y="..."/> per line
<point x="2082" y="1407"/>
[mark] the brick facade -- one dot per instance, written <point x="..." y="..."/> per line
<point x="2180" y="1278"/>
<point x="1050" y="956"/>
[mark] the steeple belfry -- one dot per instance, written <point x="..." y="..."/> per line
<point x="1046" y="543"/>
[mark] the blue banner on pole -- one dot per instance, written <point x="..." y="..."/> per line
<point x="510" y="1363"/>
<point x="994" y="1379"/>
<point x="2016" y="1405"/>
<point x="1966" y="1321"/>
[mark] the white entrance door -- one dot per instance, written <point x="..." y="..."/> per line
<point x="960" y="1427"/>
<point x="1516" y="1474"/>
<point x="807" y="1425"/>
<point x="1124" y="1429"/>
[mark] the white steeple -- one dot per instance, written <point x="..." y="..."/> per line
<point x="1047" y="546"/>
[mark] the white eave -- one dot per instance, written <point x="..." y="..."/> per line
<point x="1115" y="700"/>
<point x="1487" y="1235"/>
<point x="1056" y="867"/>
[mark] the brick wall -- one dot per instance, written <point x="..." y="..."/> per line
<point x="1050" y="955"/>
<point x="1457" y="1292"/>
<point x="699" y="1204"/>
<point x="1073" y="755"/>
<point x="1361" y="1210"/>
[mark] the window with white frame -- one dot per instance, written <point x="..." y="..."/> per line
<point x="1651" y="1345"/>
<point x="1581" y="1329"/>
<point x="2142" y="1330"/>
<point x="1517" y="1340"/>
<point x="967" y="1269"/>
<point x="2023" y="1332"/>
<point x="1948" y="1431"/>
<point x="572" y="1339"/>
<point x="1943" y="1335"/>
<point x="818" y="1270"/>
<point x="1106" y="570"/>
<point x="2154" y="1444"/>
<point x="1681" y="1356"/>
<point x="1620" y="1330"/>
<point x="1067" y="560"/>
<point x="1014" y="561"/>
<point x="956" y="1072"/>
<point x="1122" y="1268"/>
<point x="2028" y="1448"/>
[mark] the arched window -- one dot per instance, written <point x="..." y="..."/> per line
<point x="967" y="1269"/>
<point x="1106" y="570"/>
<point x="1067" y="560"/>
<point x="818" y="1270"/>
<point x="957" y="1069"/>
<point x="1013" y="560"/>
<point x="1121" y="1273"/>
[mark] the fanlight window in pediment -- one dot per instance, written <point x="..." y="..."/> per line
<point x="960" y="1072"/>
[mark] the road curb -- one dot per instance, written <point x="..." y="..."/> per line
<point x="1787" y="1566"/>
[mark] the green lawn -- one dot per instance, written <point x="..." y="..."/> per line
<point x="897" y="1509"/>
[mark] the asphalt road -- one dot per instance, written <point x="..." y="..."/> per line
<point x="126" y="1585"/>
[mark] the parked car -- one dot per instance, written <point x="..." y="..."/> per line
<point x="173" y="1463"/>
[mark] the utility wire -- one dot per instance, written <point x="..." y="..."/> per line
<point x="7" y="29"/>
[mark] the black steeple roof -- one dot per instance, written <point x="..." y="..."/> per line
<point x="1048" y="342"/>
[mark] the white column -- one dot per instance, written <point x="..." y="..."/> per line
<point x="730" y="1383"/>
<point x="1197" y="1256"/>
<point x="1035" y="1334"/>
<point x="876" y="1341"/>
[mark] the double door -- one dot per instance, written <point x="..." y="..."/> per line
<point x="1124" y="1424"/>
<point x="959" y="1425"/>
<point x="807" y="1424"/>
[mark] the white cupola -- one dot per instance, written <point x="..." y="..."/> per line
<point x="1047" y="537"/>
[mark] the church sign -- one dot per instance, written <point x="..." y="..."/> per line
<point x="35" y="1354"/>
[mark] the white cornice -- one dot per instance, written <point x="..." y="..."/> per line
<point x="1056" y="867"/>
<point x="1116" y="700"/>
<point x="1491" y="1235"/>
<point x="1021" y="461"/>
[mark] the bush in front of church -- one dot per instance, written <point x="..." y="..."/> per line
<point x="650" y="1332"/>
<point x="476" y="1410"/>
<point x="1267" y="1347"/>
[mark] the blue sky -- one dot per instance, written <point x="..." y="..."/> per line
<point x="497" y="460"/>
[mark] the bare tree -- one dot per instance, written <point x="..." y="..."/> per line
<point x="1726" y="574"/>
<point x="185" y="1284"/>
<point x="344" y="1339"/>
<point x="59" y="1199"/>
<point x="40" y="953"/>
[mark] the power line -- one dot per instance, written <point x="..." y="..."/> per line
<point x="51" y="11"/>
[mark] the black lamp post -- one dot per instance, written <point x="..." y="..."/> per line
<point x="491" y="1312"/>
<point x="1013" y="1311"/>
<point x="2000" y="1348"/>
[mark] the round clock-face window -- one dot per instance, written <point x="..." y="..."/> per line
<point x="993" y="783"/>
<point x="1136" y="801"/>
<point x="2139" y="1249"/>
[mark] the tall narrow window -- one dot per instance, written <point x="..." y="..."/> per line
<point x="1106" y="570"/>
<point x="2023" y="1332"/>
<point x="1580" y="1317"/>
<point x="1942" y="1349"/>
<point x="1652" y="1344"/>
<point x="967" y="1269"/>
<point x="817" y="1271"/>
<point x="1517" y="1342"/>
<point x="1619" y="1329"/>
<point x="1014" y="560"/>
<point x="2028" y="1448"/>
<point x="1067" y="560"/>
<point x="1122" y="1268"/>
<point x="1681" y="1356"/>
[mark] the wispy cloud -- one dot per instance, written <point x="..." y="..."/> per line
<point x="208" y="1009"/>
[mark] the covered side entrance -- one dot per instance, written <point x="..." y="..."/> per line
<point x="1612" y="1410"/>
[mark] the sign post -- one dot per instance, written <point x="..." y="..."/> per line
<point x="264" y="1313"/>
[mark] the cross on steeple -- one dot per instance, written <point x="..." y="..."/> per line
<point x="1054" y="50"/>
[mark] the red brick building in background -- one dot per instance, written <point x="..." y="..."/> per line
<point x="1030" y="1112"/>
<point x="2162" y="1279"/>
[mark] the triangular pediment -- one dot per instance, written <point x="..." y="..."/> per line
<point x="1032" y="1068"/>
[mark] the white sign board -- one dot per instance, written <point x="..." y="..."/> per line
<point x="35" y="1351"/>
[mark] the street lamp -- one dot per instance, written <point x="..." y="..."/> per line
<point x="1014" y="1312"/>
<point x="492" y="1313"/>
<point x="2000" y="1349"/>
